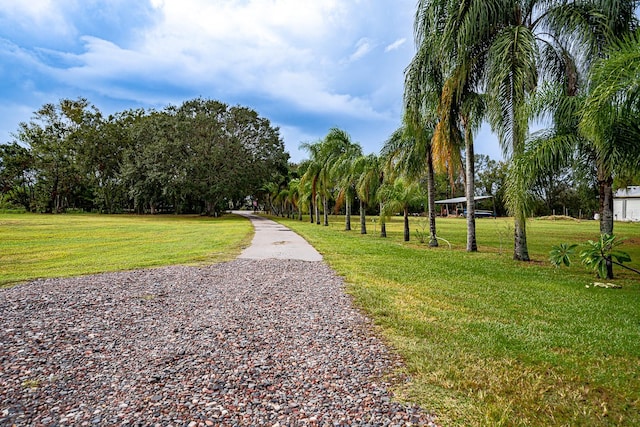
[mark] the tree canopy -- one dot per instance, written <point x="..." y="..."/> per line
<point x="197" y="157"/>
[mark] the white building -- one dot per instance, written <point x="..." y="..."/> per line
<point x="626" y="204"/>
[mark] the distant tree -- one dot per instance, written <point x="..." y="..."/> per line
<point x="400" y="194"/>
<point x="311" y="178"/>
<point x="16" y="175"/>
<point x="101" y="155"/>
<point x="153" y="168"/>
<point x="491" y="177"/>
<point x="407" y="152"/>
<point x="368" y="168"/>
<point x="53" y="137"/>
<point x="344" y="174"/>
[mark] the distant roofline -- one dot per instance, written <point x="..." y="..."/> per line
<point x="460" y="200"/>
<point x="630" y="192"/>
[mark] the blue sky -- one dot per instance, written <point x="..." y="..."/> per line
<point x="306" y="65"/>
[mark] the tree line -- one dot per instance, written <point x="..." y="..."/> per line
<point x="194" y="158"/>
<point x="575" y="65"/>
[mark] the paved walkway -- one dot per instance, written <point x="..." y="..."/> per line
<point x="275" y="241"/>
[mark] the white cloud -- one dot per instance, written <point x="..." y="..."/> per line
<point x="318" y="58"/>
<point x="306" y="92"/>
<point x="284" y="49"/>
<point x="38" y="15"/>
<point x="395" y="45"/>
<point x="363" y="47"/>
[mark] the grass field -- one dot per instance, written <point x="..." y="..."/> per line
<point x="491" y="341"/>
<point x="486" y="340"/>
<point x="34" y="246"/>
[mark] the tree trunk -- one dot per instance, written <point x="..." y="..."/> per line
<point x="383" y="223"/>
<point x="609" y="264"/>
<point x="311" y="205"/>
<point x="407" y="232"/>
<point x="520" y="249"/>
<point x="347" y="214"/>
<point x="470" y="190"/>
<point x="317" y="211"/>
<point x="431" y="191"/>
<point x="605" y="188"/>
<point x="363" y="219"/>
<point x="325" y="210"/>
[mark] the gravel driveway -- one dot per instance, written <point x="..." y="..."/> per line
<point x="248" y="342"/>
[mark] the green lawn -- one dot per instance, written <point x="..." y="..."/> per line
<point x="486" y="340"/>
<point x="33" y="246"/>
<point x="491" y="341"/>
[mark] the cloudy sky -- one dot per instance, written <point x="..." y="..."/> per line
<point x="306" y="65"/>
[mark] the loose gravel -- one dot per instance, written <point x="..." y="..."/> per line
<point x="271" y="342"/>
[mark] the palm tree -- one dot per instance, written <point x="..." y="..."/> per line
<point x="271" y="190"/>
<point x="343" y="172"/>
<point x="423" y="140"/>
<point x="461" y="113"/>
<point x="611" y="115"/>
<point x="283" y="200"/>
<point x="311" y="176"/>
<point x="295" y="196"/>
<point x="408" y="153"/>
<point x="324" y="155"/>
<point x="514" y="44"/>
<point x="400" y="194"/>
<point x="609" y="141"/>
<point x="368" y="170"/>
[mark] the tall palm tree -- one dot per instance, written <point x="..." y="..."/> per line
<point x="606" y="33"/>
<point x="515" y="44"/>
<point x="611" y="117"/>
<point x="461" y="112"/>
<point x="424" y="141"/>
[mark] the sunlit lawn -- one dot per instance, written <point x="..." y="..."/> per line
<point x="34" y="246"/>
<point x="491" y="341"/>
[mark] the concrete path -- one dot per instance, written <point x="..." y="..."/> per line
<point x="275" y="241"/>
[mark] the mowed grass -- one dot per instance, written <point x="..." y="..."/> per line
<point x="37" y="246"/>
<point x="491" y="341"/>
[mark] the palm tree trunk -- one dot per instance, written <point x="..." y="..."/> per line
<point x="520" y="249"/>
<point x="347" y="216"/>
<point x="472" y="246"/>
<point x="383" y="223"/>
<point x="312" y="206"/>
<point x="431" y="192"/>
<point x="363" y="219"/>
<point x="605" y="189"/>
<point x="317" y="211"/>
<point x="325" y="210"/>
<point x="407" y="233"/>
